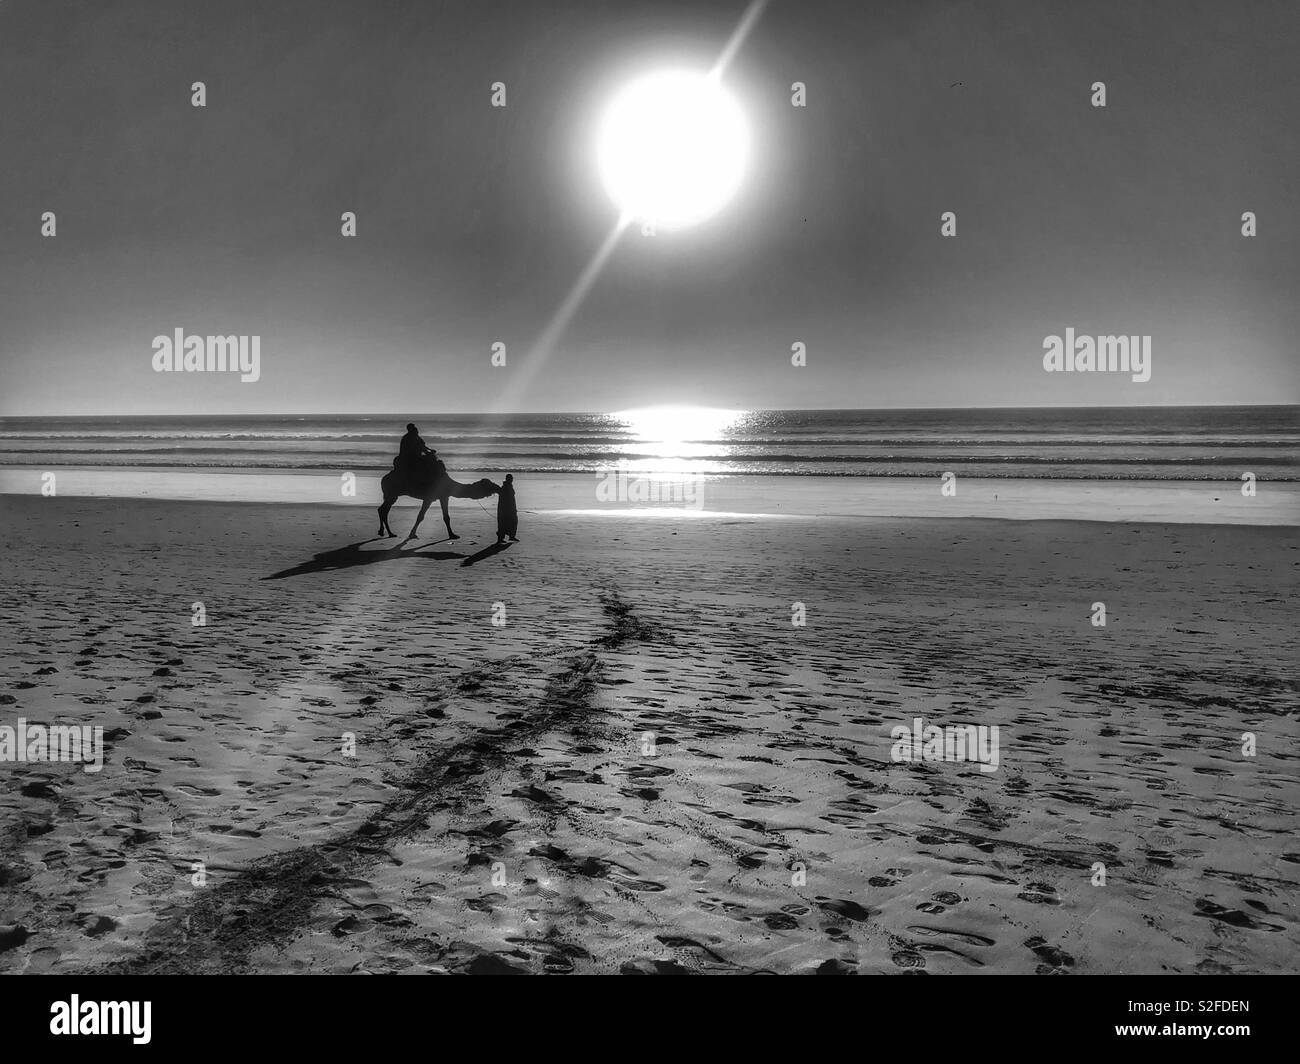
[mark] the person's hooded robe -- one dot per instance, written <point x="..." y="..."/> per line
<point x="507" y="514"/>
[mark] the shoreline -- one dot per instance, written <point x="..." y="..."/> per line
<point x="725" y="495"/>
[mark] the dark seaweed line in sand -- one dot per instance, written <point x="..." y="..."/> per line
<point x="274" y="897"/>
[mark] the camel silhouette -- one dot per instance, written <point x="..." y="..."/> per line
<point x="438" y="486"/>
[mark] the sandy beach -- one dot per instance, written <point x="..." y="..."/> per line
<point x="646" y="768"/>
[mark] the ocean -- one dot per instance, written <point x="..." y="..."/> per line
<point x="1151" y="443"/>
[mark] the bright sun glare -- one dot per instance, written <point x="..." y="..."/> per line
<point x="672" y="148"/>
<point x="677" y="424"/>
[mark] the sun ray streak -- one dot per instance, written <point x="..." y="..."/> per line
<point x="546" y="342"/>
<point x="541" y="350"/>
<point x="747" y="21"/>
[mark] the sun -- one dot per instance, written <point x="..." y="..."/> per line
<point x="672" y="148"/>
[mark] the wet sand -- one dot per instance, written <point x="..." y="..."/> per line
<point x="647" y="768"/>
<point x="579" y="494"/>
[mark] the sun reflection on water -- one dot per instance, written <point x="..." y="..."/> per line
<point x="665" y="432"/>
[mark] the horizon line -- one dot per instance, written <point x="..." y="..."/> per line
<point x="653" y="406"/>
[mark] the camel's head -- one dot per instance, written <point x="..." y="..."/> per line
<point x="486" y="487"/>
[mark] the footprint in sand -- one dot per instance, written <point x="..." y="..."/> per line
<point x="1235" y="917"/>
<point x="907" y="958"/>
<point x="12" y="936"/>
<point x="485" y="904"/>
<point x="968" y="937"/>
<point x="41" y="960"/>
<point x="694" y="951"/>
<point x="849" y="910"/>
<point x="95" y="926"/>
<point x="1055" y="960"/>
<point x="491" y="964"/>
<point x="533" y="793"/>
<point x="349" y="925"/>
<point x="647" y="772"/>
<point x="1040" y="894"/>
<point x="935" y="947"/>
<point x="649" y="966"/>
<point x="940" y="902"/>
<point x="629" y="881"/>
<point x="890" y="878"/>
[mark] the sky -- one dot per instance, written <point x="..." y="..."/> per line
<point x="474" y="222"/>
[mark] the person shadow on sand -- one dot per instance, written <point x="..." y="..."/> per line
<point x="486" y="552"/>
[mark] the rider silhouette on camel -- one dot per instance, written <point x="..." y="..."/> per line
<point x="410" y="457"/>
<point x="419" y="473"/>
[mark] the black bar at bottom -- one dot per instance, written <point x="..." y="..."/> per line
<point x="334" y="1014"/>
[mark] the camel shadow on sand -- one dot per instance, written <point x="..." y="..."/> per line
<point x="352" y="555"/>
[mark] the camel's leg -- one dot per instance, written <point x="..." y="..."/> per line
<point x="387" y="505"/>
<point x="446" y="517"/>
<point x="424" y="509"/>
